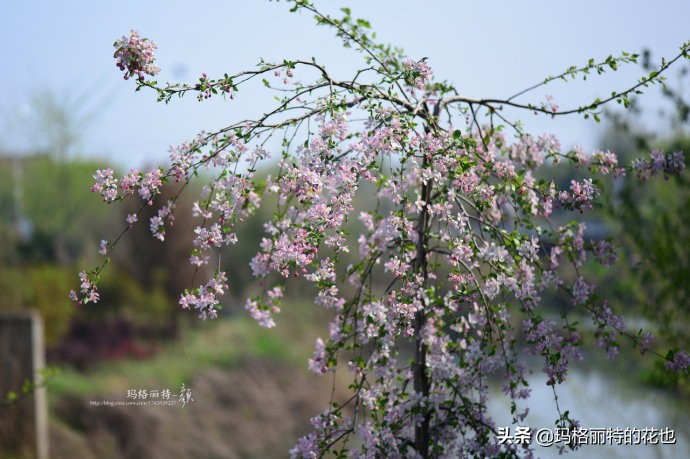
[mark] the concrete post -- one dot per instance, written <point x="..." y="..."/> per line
<point x="24" y="421"/>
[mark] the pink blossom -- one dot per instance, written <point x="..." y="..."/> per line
<point x="205" y="298"/>
<point x="581" y="291"/>
<point x="680" y="361"/>
<point x="136" y="56"/>
<point x="198" y="260"/>
<point x="645" y="341"/>
<point x="88" y="292"/>
<point x="150" y="184"/>
<point x="659" y="162"/>
<point x="319" y="362"/>
<point x="105" y="184"/>
<point x="420" y="72"/>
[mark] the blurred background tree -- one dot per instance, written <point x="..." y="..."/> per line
<point x="50" y="226"/>
<point x="651" y="221"/>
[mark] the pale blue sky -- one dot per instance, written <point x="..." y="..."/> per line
<point x="488" y="49"/>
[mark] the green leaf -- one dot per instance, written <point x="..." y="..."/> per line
<point x="363" y="23"/>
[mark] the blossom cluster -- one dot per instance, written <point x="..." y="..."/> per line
<point x="581" y="195"/>
<point x="659" y="163"/>
<point x="680" y="361"/>
<point x="147" y="185"/>
<point x="136" y="56"/>
<point x="262" y="308"/>
<point x="206" y="299"/>
<point x="420" y="71"/>
<point x="88" y="290"/>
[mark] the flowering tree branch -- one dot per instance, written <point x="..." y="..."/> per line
<point x="461" y="239"/>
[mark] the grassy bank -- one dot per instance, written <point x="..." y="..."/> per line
<point x="212" y="344"/>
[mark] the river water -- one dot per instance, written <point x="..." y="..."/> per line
<point x="599" y="398"/>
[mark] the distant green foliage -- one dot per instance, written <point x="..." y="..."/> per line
<point x="47" y="224"/>
<point x="654" y="220"/>
<point x="45" y="216"/>
<point x="42" y="288"/>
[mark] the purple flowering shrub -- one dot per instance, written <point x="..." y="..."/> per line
<point x="460" y="243"/>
